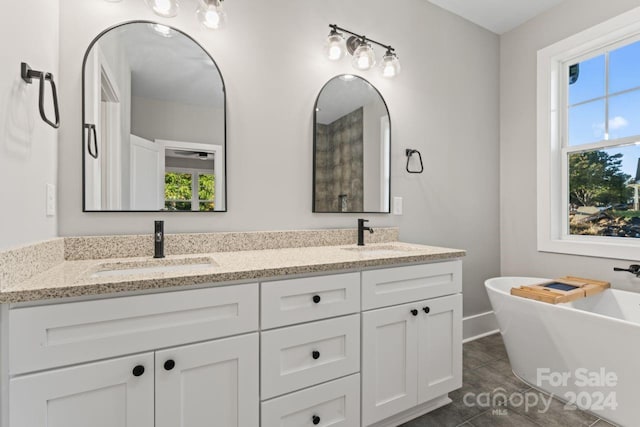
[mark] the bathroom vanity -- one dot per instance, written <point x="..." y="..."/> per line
<point x="332" y="335"/>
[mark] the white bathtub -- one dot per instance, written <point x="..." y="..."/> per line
<point x="586" y="352"/>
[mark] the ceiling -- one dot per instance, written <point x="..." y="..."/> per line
<point x="171" y="69"/>
<point x="342" y="96"/>
<point x="498" y="16"/>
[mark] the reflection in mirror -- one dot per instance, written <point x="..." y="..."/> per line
<point x="154" y="113"/>
<point x="352" y="146"/>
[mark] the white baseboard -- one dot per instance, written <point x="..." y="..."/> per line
<point x="478" y="326"/>
<point x="413" y="413"/>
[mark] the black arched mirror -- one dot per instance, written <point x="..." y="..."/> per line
<point x="154" y="123"/>
<point x="351" y="148"/>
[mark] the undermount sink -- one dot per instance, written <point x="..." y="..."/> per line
<point x="382" y="250"/>
<point x="152" y="266"/>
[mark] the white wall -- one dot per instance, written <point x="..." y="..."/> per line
<point x="371" y="153"/>
<point x="445" y="103"/>
<point x="518" y="50"/>
<point x="28" y="146"/>
<point x="157" y="119"/>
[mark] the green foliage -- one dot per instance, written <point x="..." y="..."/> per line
<point x="178" y="191"/>
<point x="596" y="179"/>
<point x="207" y="191"/>
<point x="177" y="186"/>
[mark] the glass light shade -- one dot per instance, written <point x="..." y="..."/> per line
<point x="364" y="57"/>
<point x="336" y="47"/>
<point x="211" y="14"/>
<point x="390" y="65"/>
<point x="165" y="8"/>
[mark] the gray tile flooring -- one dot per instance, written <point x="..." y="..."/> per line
<point x="485" y="369"/>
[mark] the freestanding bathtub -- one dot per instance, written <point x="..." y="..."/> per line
<point x="586" y="352"/>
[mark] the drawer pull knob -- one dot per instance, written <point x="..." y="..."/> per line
<point x="316" y="299"/>
<point x="315" y="354"/>
<point x="414" y="312"/>
<point x="315" y="419"/>
<point x="169" y="365"/>
<point x="138" y="370"/>
<point x="426" y="310"/>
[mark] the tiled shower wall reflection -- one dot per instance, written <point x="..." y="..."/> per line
<point x="339" y="163"/>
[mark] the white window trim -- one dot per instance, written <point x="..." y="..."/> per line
<point x="552" y="226"/>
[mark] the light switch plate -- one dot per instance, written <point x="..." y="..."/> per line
<point x="51" y="200"/>
<point x="397" y="205"/>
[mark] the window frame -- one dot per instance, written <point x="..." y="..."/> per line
<point x="552" y="125"/>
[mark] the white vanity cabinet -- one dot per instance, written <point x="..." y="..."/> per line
<point x="211" y="383"/>
<point x="169" y="385"/>
<point x="366" y="348"/>
<point x="216" y="380"/>
<point x="314" y="354"/>
<point x="411" y="353"/>
<point x="101" y="394"/>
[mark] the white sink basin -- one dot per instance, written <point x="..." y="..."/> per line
<point x="154" y="266"/>
<point x="381" y="250"/>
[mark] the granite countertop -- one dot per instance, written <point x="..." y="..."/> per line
<point x="74" y="278"/>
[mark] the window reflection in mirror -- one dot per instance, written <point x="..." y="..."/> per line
<point x="157" y="101"/>
<point x="352" y="143"/>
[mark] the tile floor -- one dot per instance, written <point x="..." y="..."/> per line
<point x="486" y="368"/>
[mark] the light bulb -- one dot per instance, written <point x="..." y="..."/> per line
<point x="390" y="65"/>
<point x="211" y="14"/>
<point x="335" y="46"/>
<point x="364" y="57"/>
<point x="165" y="8"/>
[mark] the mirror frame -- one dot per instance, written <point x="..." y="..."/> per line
<point x="85" y="131"/>
<point x="315" y="123"/>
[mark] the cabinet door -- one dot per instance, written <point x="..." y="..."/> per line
<point x="207" y="384"/>
<point x="103" y="394"/>
<point x="389" y="362"/>
<point x="439" y="347"/>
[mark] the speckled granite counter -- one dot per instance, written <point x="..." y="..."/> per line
<point x="73" y="278"/>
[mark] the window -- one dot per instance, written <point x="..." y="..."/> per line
<point x="189" y="190"/>
<point x="589" y="142"/>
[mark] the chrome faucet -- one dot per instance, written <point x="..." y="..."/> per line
<point x="158" y="240"/>
<point x="361" y="229"/>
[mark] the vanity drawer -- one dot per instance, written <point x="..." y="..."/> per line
<point x="286" y="302"/>
<point x="62" y="334"/>
<point x="335" y="404"/>
<point x="399" y="285"/>
<point x="300" y="356"/>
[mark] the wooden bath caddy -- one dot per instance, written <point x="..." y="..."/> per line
<point x="564" y="289"/>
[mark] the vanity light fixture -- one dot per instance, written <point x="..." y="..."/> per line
<point x="164" y="8"/>
<point x="336" y="46"/>
<point x="363" y="55"/>
<point x="211" y="14"/>
<point x="390" y="64"/>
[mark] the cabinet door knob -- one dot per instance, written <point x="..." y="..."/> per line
<point x="315" y="419"/>
<point x="138" y="370"/>
<point x="316" y="299"/>
<point x="426" y="310"/>
<point x="315" y="354"/>
<point x="169" y="365"/>
<point x="414" y="312"/>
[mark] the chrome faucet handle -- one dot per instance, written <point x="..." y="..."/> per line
<point x="159" y="236"/>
